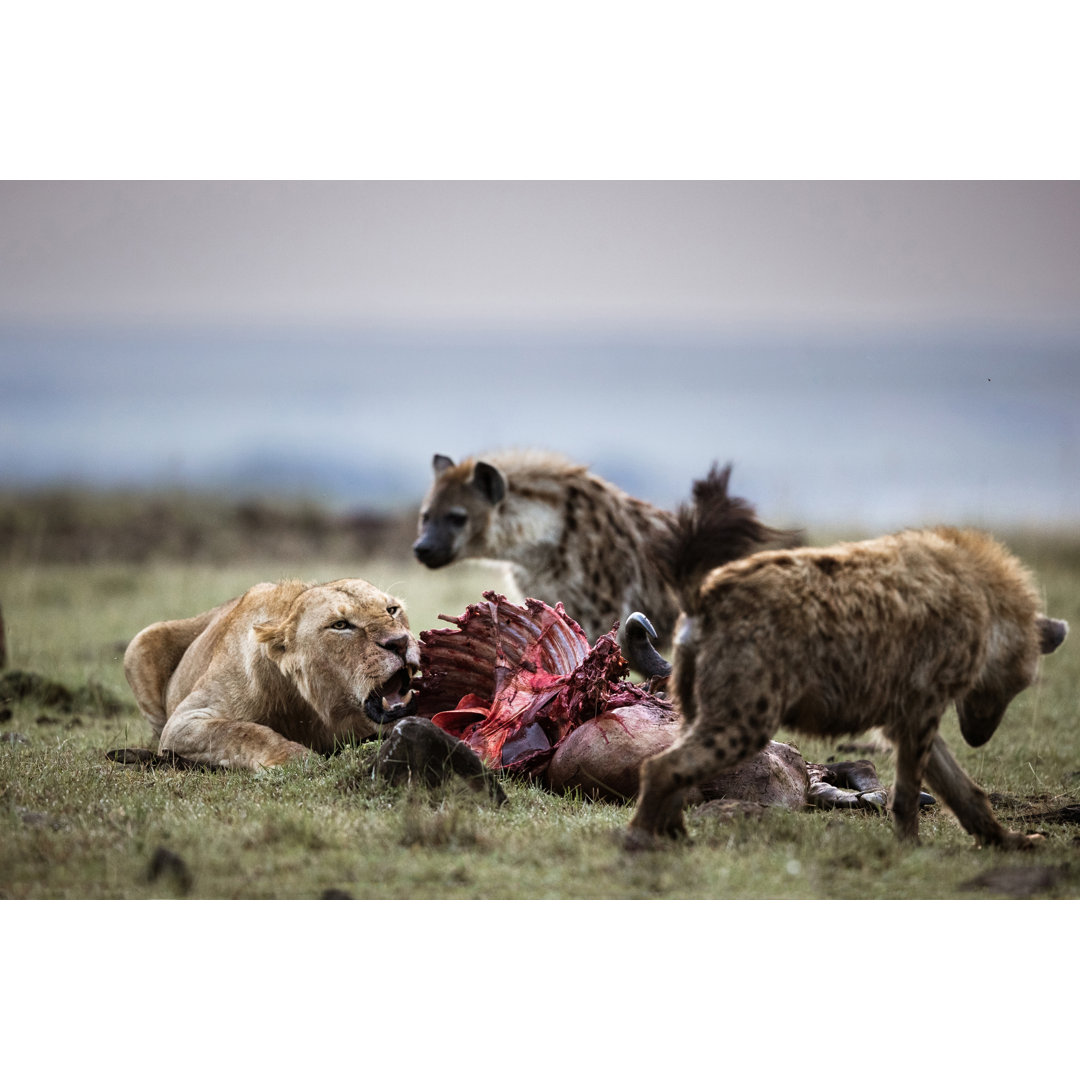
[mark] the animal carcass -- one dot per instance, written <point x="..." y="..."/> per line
<point x="522" y="687"/>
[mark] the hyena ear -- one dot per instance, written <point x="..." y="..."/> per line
<point x="440" y="463"/>
<point x="1051" y="633"/>
<point x="275" y="637"/>
<point x="489" y="482"/>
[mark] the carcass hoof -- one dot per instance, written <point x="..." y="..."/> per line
<point x="418" y="750"/>
<point x="879" y="800"/>
<point x="874" y="800"/>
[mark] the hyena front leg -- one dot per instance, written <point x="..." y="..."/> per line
<point x="662" y="789"/>
<point x="724" y="731"/>
<point x="968" y="801"/>
<point x="726" y="719"/>
<point x="913" y="740"/>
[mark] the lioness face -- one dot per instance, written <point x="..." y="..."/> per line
<point x="455" y="514"/>
<point x="347" y="647"/>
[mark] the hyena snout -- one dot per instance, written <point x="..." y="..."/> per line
<point x="981" y="710"/>
<point x="980" y="715"/>
<point x="430" y="553"/>
<point x="437" y="544"/>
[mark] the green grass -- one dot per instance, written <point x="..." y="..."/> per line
<point x="75" y="825"/>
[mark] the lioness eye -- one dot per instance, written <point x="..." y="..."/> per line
<point x="393" y="610"/>
<point x="341" y="624"/>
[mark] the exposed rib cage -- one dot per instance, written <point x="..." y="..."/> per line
<point x="512" y="682"/>
<point x="488" y="641"/>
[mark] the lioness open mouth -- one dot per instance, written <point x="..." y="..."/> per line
<point x="394" y="699"/>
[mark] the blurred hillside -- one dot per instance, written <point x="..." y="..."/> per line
<point x="843" y="427"/>
<point x="78" y="526"/>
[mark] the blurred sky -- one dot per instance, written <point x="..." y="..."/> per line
<point x="621" y="255"/>
<point x="872" y="353"/>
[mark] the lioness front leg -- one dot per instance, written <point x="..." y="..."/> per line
<point x="151" y="658"/>
<point x="232" y="744"/>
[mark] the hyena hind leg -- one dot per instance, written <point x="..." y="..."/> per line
<point x="968" y="801"/>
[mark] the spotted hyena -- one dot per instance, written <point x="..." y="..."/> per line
<point x="836" y="640"/>
<point x="567" y="534"/>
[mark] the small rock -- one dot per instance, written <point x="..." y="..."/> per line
<point x="37" y="820"/>
<point x="166" y="863"/>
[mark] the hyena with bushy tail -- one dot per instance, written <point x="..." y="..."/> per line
<point x="567" y="534"/>
<point x="836" y="640"/>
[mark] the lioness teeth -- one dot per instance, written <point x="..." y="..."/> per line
<point x="403" y="703"/>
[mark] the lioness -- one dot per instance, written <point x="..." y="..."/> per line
<point x="282" y="670"/>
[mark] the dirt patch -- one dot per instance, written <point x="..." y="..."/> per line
<point x="46" y="693"/>
<point x="167" y="866"/>
<point x="63" y="526"/>
<point x="1019" y="882"/>
<point x="1037" y="810"/>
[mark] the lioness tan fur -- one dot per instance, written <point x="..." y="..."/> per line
<point x="283" y="670"/>
<point x="837" y="640"/>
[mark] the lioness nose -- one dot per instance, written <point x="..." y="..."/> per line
<point x="396" y="643"/>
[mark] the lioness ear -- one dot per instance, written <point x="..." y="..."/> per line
<point x="1051" y="633"/>
<point x="489" y="482"/>
<point x="440" y="463"/>
<point x="274" y="636"/>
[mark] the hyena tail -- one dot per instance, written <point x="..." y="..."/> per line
<point x="714" y="529"/>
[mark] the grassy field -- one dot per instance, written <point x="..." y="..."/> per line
<point x="75" y="825"/>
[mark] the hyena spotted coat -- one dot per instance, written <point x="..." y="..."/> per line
<point x="567" y="534"/>
<point x="836" y="640"/>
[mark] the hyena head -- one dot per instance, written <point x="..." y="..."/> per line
<point x="1011" y="666"/>
<point x="457" y="511"/>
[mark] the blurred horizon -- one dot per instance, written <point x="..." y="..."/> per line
<point x="869" y="355"/>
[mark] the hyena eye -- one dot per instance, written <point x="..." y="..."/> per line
<point x="342" y="624"/>
<point x="457" y="518"/>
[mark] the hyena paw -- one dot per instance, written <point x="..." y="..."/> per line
<point x="1016" y="841"/>
<point x="636" y="838"/>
